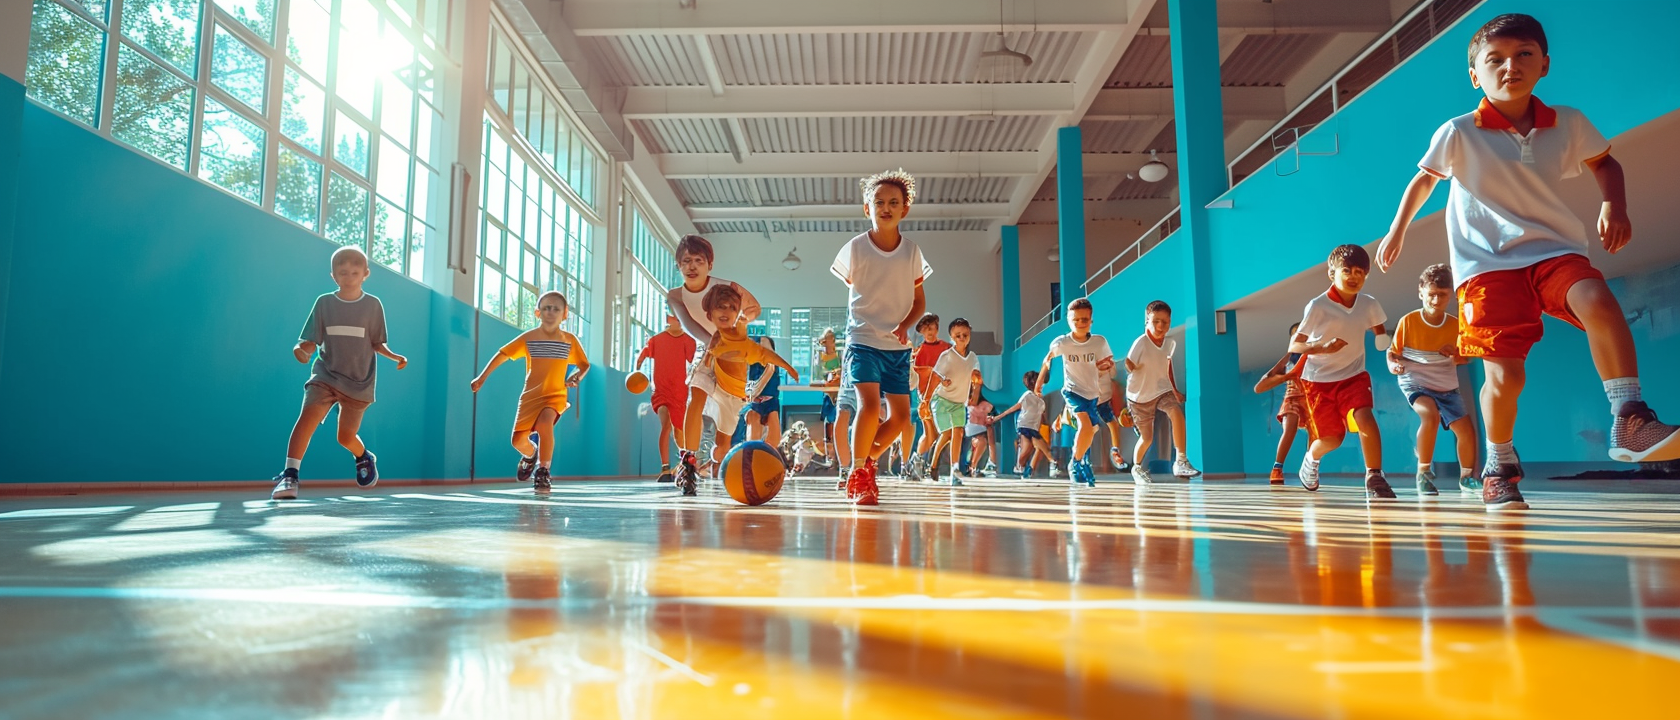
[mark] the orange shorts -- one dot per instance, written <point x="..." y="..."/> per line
<point x="1499" y="313"/>
<point x="1328" y="404"/>
<point x="531" y="407"/>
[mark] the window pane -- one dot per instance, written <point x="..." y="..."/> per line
<point x="255" y="14"/>
<point x="425" y="79"/>
<point x="491" y="302"/>
<point x="307" y="36"/>
<point x="356" y="73"/>
<point x="65" y="56"/>
<point x="389" y="222"/>
<point x="424" y="121"/>
<point x="510" y="301"/>
<point x="230" y="151"/>
<point x="500" y="70"/>
<point x="304" y="110"/>
<point x="351" y="147"/>
<point x="168" y="28"/>
<point x="393" y="172"/>
<point x="347" y="209"/>
<point x="95" y="8"/>
<point x="518" y="104"/>
<point x="424" y="179"/>
<point x="492" y="244"/>
<point x="417" y="250"/>
<point x="396" y="111"/>
<point x="154" y="109"/>
<point x="239" y="70"/>
<point x="298" y="195"/>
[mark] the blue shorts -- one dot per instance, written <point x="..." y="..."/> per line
<point x="1088" y="406"/>
<point x="1450" y="403"/>
<point x="765" y="408"/>
<point x="1029" y="433"/>
<point x="888" y="368"/>
<point x="830" y="411"/>
<point x="1105" y="412"/>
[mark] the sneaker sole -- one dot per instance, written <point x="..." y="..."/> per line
<point x="1505" y="506"/>
<point x="283" y="496"/>
<point x="1668" y="449"/>
<point x="1309" y="488"/>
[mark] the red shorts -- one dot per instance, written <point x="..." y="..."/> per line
<point x="677" y="401"/>
<point x="1499" y="313"/>
<point x="1328" y="404"/>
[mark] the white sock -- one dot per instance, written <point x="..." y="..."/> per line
<point x="1425" y="467"/>
<point x="1621" y="391"/>
<point x="294" y="463"/>
<point x="1309" y="462"/>
<point x="1465" y="472"/>
<point x="542" y="465"/>
<point x="1504" y="453"/>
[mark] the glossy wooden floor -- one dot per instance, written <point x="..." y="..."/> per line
<point x="1001" y="599"/>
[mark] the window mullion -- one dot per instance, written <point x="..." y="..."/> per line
<point x="274" y="106"/>
<point x="206" y="44"/>
<point x="108" y="89"/>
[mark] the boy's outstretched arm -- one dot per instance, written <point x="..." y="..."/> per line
<point x="1417" y="193"/>
<point x="1300" y="346"/>
<point x="1614" y="228"/>
<point x="489" y="367"/>
<point x="382" y="349"/>
<point x="772" y="358"/>
<point x="581" y="364"/>
<point x="750" y="308"/>
<point x="1273" y="377"/>
<point x="1043" y="374"/>
<point x="673" y="299"/>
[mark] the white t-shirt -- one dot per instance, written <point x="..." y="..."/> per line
<point x="1105" y="384"/>
<point x="1326" y="318"/>
<point x="1505" y="210"/>
<point x="1032" y="411"/>
<point x="1079" y="363"/>
<point x="692" y="302"/>
<point x="960" y="371"/>
<point x="1152" y="375"/>
<point x="889" y="281"/>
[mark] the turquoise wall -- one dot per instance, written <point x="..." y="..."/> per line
<point x="11" y="149"/>
<point x="189" y="301"/>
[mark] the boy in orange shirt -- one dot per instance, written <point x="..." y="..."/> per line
<point x="549" y="354"/>
<point x="1425" y="358"/>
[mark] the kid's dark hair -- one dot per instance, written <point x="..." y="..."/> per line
<point x="1352" y="256"/>
<point x="695" y="245"/>
<point x="896" y="178"/>
<point x="963" y="322"/>
<point x="1080" y="304"/>
<point x="1293" y="327"/>
<point x="1158" y="306"/>
<point x="721" y="296"/>
<point x="553" y="294"/>
<point x="1437" y="275"/>
<point x="928" y="319"/>
<point x="1030" y="377"/>
<point x="1510" y="26"/>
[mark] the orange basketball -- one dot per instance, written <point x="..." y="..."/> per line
<point x="753" y="472"/>
<point x="636" y="383"/>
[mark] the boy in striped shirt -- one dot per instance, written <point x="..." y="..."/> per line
<point x="1424" y="357"/>
<point x="549" y="354"/>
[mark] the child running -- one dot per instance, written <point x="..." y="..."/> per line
<point x="1085" y="356"/>
<point x="694" y="258"/>
<point x="721" y="377"/>
<point x="348" y="327"/>
<point x="764" y="413"/>
<point x="1031" y="438"/>
<point x="883" y="272"/>
<point x="1292" y="414"/>
<point x="979" y="432"/>
<point x="549" y="354"/>
<point x="1425" y="357"/>
<point x="1517" y="251"/>
<point x="926" y="355"/>
<point x="671" y="352"/>
<point x="828" y="358"/>
<point x="1151" y="387"/>
<point x="952" y="381"/>
<point x="1332" y="337"/>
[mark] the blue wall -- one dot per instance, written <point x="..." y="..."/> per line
<point x="149" y="331"/>
<point x="11" y="149"/>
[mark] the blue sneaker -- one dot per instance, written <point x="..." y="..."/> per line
<point x="367" y="473"/>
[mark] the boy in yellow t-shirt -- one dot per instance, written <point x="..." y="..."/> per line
<point x="722" y="375"/>
<point x="1425" y="357"/>
<point x="549" y="354"/>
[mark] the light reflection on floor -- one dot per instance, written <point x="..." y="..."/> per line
<point x="999" y="599"/>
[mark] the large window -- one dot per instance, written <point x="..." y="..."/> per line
<point x="650" y="272"/>
<point x="324" y="112"/>
<point x="805" y="326"/>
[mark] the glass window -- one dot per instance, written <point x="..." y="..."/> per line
<point x="239" y="70"/>
<point x="308" y="33"/>
<point x="303" y="111"/>
<point x="168" y="28"/>
<point x="66" y="54"/>
<point x="230" y="151"/>
<point x="396" y="112"/>
<point x="258" y="15"/>
<point x="351" y="148"/>
<point x="298" y="197"/>
<point x="347" y="211"/>
<point x="389" y="227"/>
<point x="393" y="171"/>
<point x="154" y="108"/>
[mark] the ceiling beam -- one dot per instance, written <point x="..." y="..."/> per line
<point x="701" y="166"/>
<point x="726" y="17"/>
<point x="1241" y="103"/>
<point x="752" y="101"/>
<point x="918" y="211"/>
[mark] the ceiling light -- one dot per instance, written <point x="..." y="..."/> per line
<point x="1053" y="255"/>
<point x="1154" y="170"/>
<point x="791" y="262"/>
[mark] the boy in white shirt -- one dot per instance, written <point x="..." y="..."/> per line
<point x="883" y="272"/>
<point x="1332" y="339"/>
<point x="1085" y="356"/>
<point x="1151" y="388"/>
<point x="1032" y="409"/>
<point x="694" y="260"/>
<point x="1518" y="252"/>
<point x="952" y="380"/>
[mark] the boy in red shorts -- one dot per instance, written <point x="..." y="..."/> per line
<point x="1332" y="339"/>
<point x="670" y="350"/>
<point x="1517" y="251"/>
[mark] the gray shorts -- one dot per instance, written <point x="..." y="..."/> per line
<point x="1144" y="411"/>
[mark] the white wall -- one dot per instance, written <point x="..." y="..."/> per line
<point x="1103" y="240"/>
<point x="964" y="281"/>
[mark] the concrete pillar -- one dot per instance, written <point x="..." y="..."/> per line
<point x="1070" y="213"/>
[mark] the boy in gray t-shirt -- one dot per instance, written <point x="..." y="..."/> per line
<point x="348" y="327"/>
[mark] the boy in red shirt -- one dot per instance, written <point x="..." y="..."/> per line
<point x="922" y="364"/>
<point x="670" y="350"/>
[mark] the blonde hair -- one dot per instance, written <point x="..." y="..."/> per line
<point x="349" y="254"/>
<point x="896" y="178"/>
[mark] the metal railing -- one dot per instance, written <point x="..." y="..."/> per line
<point x="1050" y="318"/>
<point x="1155" y="235"/>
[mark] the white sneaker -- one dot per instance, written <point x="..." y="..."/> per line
<point x="1140" y="475"/>
<point x="1309" y="476"/>
<point x="1055" y="471"/>
<point x="285" y="487"/>
<point x="1182" y="468"/>
<point x="956" y="479"/>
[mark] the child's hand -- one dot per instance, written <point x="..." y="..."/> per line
<point x="903" y="334"/>
<point x="1450" y="350"/>
<point x="1389" y="250"/>
<point x="303" y="350"/>
<point x="1332" y="345"/>
<point x="1180" y="395"/>
<point x="572" y="381"/>
<point x="477" y="383"/>
<point x="1105" y="365"/>
<point x="793" y="374"/>
<point x="1396" y="367"/>
<point x="946" y="382"/>
<point x="1614" y="228"/>
<point x="402" y="362"/>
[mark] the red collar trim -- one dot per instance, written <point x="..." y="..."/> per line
<point x="1489" y="118"/>
<point x="1338" y="298"/>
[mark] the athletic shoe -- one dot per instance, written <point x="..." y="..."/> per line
<point x="1376" y="486"/>
<point x="1117" y="459"/>
<point x="1469" y="485"/>
<point x="1082" y="472"/>
<point x="1499" y="486"/>
<point x="526" y="465"/>
<point x="1276" y="478"/>
<point x="285" y="485"/>
<point x="911" y="471"/>
<point x="990" y="471"/>
<point x="1308" y="477"/>
<point x="1021" y="472"/>
<point x="665" y="474"/>
<point x="955" y="479"/>
<point x="688" y="476"/>
<point x="367" y="471"/>
<point x="841" y="486"/>
<point x="539" y="480"/>
<point x="1140" y="475"/>
<point x="1426" y="483"/>
<point x="1055" y="471"/>
<point x="1182" y="468"/>
<point x="861" y="488"/>
<point x="1637" y="436"/>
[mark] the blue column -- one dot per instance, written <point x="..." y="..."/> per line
<point x="1010" y="280"/>
<point x="1213" y="383"/>
<point x="1070" y="212"/>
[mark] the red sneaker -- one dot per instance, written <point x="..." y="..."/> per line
<point x="1277" y="476"/>
<point x="860" y="487"/>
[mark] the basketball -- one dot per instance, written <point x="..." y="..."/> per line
<point x="636" y="383"/>
<point x="753" y="472"/>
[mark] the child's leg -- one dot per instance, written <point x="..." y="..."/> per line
<point x="545" y="436"/>
<point x="1023" y="454"/>
<point x="694" y="425"/>
<point x="1042" y="448"/>
<point x="1181" y="443"/>
<point x="755" y="426"/>
<point x="1370" y="438"/>
<point x="1145" y="428"/>
<point x="774" y="425"/>
<point x="929" y="434"/>
<point x="522" y="443"/>
<point x="1082" y="439"/>
<point x="665" y="432"/>
<point x="1430" y="414"/>
<point x="308" y="419"/>
<point x="1323" y="446"/>
<point x="907" y="435"/>
<point x="1464" y="431"/>
<point x="1290" y="425"/>
<point x="898" y="414"/>
<point x="1608" y="336"/>
<point x="954" y="437"/>
<point x="841" y="438"/>
<point x="349" y="423"/>
<point x="866" y="422"/>
<point x="827" y="439"/>
<point x="1505" y="380"/>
